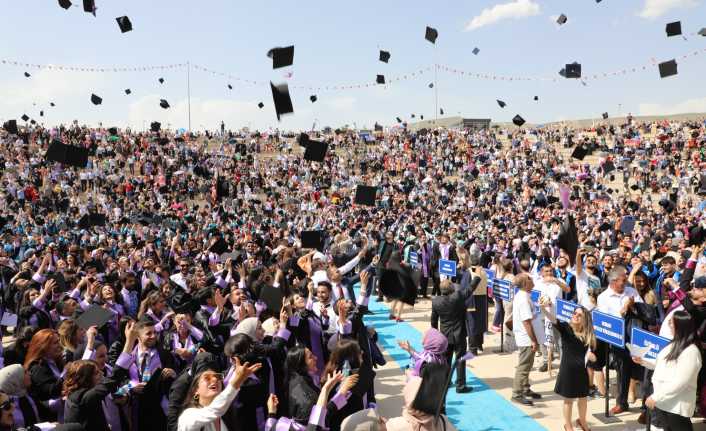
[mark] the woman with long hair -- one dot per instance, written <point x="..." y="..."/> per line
<point x="44" y="363"/>
<point x="207" y="400"/>
<point x="15" y="354"/>
<point x="577" y="344"/>
<point x="183" y="341"/>
<point x="435" y="345"/>
<point x="85" y="386"/>
<point x="675" y="375"/>
<point x="155" y="306"/>
<point x="346" y="355"/>
<point x="70" y="336"/>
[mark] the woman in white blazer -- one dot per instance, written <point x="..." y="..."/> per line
<point x="675" y="375"/>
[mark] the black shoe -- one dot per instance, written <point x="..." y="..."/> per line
<point x="533" y="395"/>
<point x="474" y="351"/>
<point x="544" y="368"/>
<point x="522" y="400"/>
<point x="463" y="389"/>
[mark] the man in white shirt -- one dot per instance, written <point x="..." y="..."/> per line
<point x="527" y="330"/>
<point x="617" y="300"/>
<point x="551" y="287"/>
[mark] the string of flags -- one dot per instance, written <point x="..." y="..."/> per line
<point x="92" y="69"/>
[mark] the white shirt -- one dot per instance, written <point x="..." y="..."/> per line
<point x="550" y="289"/>
<point x="585" y="283"/>
<point x="675" y="381"/>
<point x="523" y="309"/>
<point x="666" y="329"/>
<point x="202" y="419"/>
<point x="612" y="303"/>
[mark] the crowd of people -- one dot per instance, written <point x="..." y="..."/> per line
<point x="171" y="284"/>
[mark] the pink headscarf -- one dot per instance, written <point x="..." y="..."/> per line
<point x="435" y="344"/>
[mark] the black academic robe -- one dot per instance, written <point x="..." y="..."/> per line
<point x="85" y="405"/>
<point x="45" y="386"/>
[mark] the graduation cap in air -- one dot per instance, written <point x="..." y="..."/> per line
<point x="280" y="96"/>
<point x="702" y="32"/>
<point x="365" y="195"/>
<point x="10" y="126"/>
<point x="697" y="235"/>
<point x="260" y="105"/>
<point x="501" y="103"/>
<point x="52" y="104"/>
<point x="65" y="3"/>
<point x="32" y="121"/>
<point x="89" y="6"/>
<point x="573" y="70"/>
<point x="431" y="85"/>
<point x="41" y="113"/>
<point x="272" y="297"/>
<point x="673" y="29"/>
<point x="164" y="104"/>
<point x="579" y="152"/>
<point x="27" y="75"/>
<point x="124" y="24"/>
<point x="312" y="239"/>
<point x="378" y="127"/>
<point x="604" y="227"/>
<point x="667" y="68"/>
<point x="536" y="98"/>
<point x="128" y="91"/>
<point x="24" y="117"/>
<point x="315" y="150"/>
<point x="113" y="131"/>
<point x="155" y="126"/>
<point x="518" y="121"/>
<point x="562" y="19"/>
<point x="95" y="315"/>
<point x="219" y="246"/>
<point x="475" y="51"/>
<point x="634" y="187"/>
<point x="282" y="57"/>
<point x="96" y="100"/>
<point x="441" y="111"/>
<point x="605" y="115"/>
<point x="397" y="282"/>
<point x="431" y="34"/>
<point x="67" y="154"/>
<point x="313" y="98"/>
<point x="608" y="167"/>
<point x="161" y="80"/>
<point x="568" y="238"/>
<point x="634" y="206"/>
<point x="230" y="87"/>
<point x="399" y="120"/>
<point x="421" y="117"/>
<point x="384" y="56"/>
<point x="380" y="79"/>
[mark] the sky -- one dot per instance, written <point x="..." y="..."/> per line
<point x="337" y="44"/>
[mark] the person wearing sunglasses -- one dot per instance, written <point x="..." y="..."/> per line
<point x="7" y="413"/>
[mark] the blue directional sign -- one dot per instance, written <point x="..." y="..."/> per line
<point x="413" y="258"/>
<point x="447" y="267"/>
<point x="609" y="328"/>
<point x="491" y="280"/>
<point x="565" y="309"/>
<point x="642" y="338"/>
<point x="503" y="289"/>
<point x="534" y="295"/>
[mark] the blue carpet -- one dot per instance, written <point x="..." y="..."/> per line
<point x="481" y="410"/>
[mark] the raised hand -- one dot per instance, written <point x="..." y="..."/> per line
<point x="242" y="372"/>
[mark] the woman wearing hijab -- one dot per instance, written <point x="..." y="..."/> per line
<point x="15" y="381"/>
<point x="435" y="346"/>
<point x="422" y="399"/>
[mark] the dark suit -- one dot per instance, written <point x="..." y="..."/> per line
<point x="448" y="315"/>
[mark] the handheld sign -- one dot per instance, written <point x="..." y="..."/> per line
<point x="447" y="267"/>
<point x="413" y="258"/>
<point x="654" y="343"/>
<point x="491" y="280"/>
<point x="534" y="295"/>
<point x="609" y="328"/>
<point x="565" y="309"/>
<point x="503" y="290"/>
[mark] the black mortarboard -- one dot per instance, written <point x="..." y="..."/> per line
<point x="124" y="23"/>
<point x="421" y="117"/>
<point x="399" y="120"/>
<point x="634" y="206"/>
<point x="562" y="19"/>
<point x="431" y="85"/>
<point x="627" y="224"/>
<point x="604" y="227"/>
<point x="76" y="156"/>
<point x="96" y="100"/>
<point x="89" y="6"/>
<point x="518" y="121"/>
<point x="41" y="113"/>
<point x="155" y="126"/>
<point x="668" y="68"/>
<point x="384" y="56"/>
<point x="702" y="32"/>
<point x="32" y="121"/>
<point x="164" y="104"/>
<point x="282" y="57"/>
<point x="56" y="152"/>
<point x="315" y="150"/>
<point x="65" y="3"/>
<point x="260" y="105"/>
<point x="380" y="79"/>
<point x="10" y="126"/>
<point x="431" y="34"/>
<point x="24" y="117"/>
<point x="573" y="70"/>
<point x="219" y="247"/>
<point x="697" y="235"/>
<point x="536" y="98"/>
<point x="562" y="72"/>
<point x="128" y="91"/>
<point x="441" y="111"/>
<point x="280" y="96"/>
<point x="608" y="167"/>
<point x="501" y="103"/>
<point x="52" y="104"/>
<point x="113" y="130"/>
<point x="27" y="75"/>
<point x="673" y="29"/>
<point x="605" y="115"/>
<point x="230" y="87"/>
<point x="366" y="376"/>
<point x="161" y="80"/>
<point x="96" y="218"/>
<point x="365" y="195"/>
<point x="412" y="115"/>
<point x="476" y="51"/>
<point x="568" y="238"/>
<point x="313" y="98"/>
<point x="95" y="315"/>
<point x="60" y="281"/>
<point x="635" y="187"/>
<point x="312" y="239"/>
<point x="272" y="297"/>
<point x="579" y="152"/>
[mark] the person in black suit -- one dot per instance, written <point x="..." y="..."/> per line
<point x="448" y="315"/>
<point x="443" y="249"/>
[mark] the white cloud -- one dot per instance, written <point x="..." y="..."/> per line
<point x="685" y="107"/>
<point x="656" y="8"/>
<point x="513" y="10"/>
<point x="344" y="103"/>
